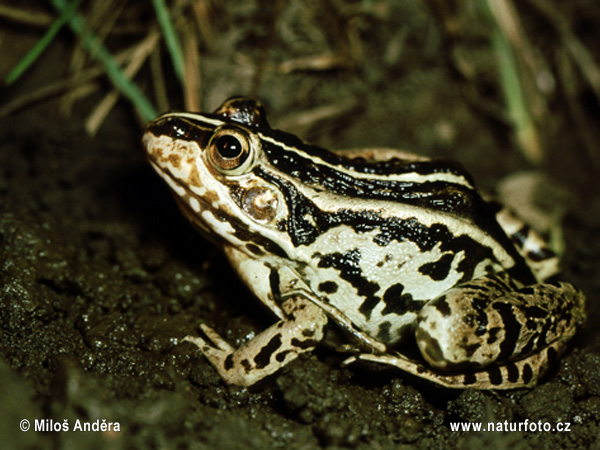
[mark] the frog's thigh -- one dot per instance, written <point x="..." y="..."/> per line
<point x="272" y="349"/>
<point x="484" y="322"/>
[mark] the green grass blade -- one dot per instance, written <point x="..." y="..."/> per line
<point x="41" y="45"/>
<point x="121" y="82"/>
<point x="166" y="25"/>
<point x="513" y="90"/>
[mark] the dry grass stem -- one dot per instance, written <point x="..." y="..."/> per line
<point x="525" y="103"/>
<point x="204" y="13"/>
<point x="84" y="80"/>
<point x="305" y="121"/>
<point x="158" y="80"/>
<point x="325" y="61"/>
<point x="26" y="17"/>
<point x="192" y="75"/>
<point x="580" y="54"/>
<point x="138" y="57"/>
<point x="102" y="18"/>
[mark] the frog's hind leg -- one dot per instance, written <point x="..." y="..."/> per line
<point x="512" y="375"/>
<point x="487" y="334"/>
<point x="488" y="322"/>
<point x="531" y="246"/>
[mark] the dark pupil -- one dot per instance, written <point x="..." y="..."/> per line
<point x="229" y="146"/>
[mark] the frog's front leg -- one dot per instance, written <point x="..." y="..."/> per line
<point x="299" y="332"/>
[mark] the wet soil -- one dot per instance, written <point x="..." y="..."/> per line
<point x="101" y="277"/>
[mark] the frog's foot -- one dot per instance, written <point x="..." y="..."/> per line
<point x="270" y="350"/>
<point x="214" y="353"/>
<point x="512" y="375"/>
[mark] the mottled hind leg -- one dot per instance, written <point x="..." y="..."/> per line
<point x="486" y="321"/>
<point x="512" y="375"/>
<point x="486" y="334"/>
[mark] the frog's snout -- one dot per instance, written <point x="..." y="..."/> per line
<point x="167" y="125"/>
<point x="177" y="127"/>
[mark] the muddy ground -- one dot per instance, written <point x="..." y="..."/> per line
<point x="100" y="276"/>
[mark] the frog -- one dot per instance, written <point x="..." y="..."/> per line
<point x="392" y="249"/>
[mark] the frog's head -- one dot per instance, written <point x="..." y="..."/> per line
<point x="212" y="163"/>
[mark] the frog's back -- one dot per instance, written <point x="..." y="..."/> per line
<point x="429" y="202"/>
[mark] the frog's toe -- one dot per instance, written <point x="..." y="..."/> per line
<point x="197" y="341"/>
<point x="216" y="339"/>
<point x="215" y="355"/>
<point x="214" y="344"/>
<point x="350" y="360"/>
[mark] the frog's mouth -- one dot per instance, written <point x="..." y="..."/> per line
<point x="185" y="199"/>
<point x="213" y="224"/>
<point x="196" y="221"/>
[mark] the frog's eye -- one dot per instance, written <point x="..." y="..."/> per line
<point x="228" y="149"/>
